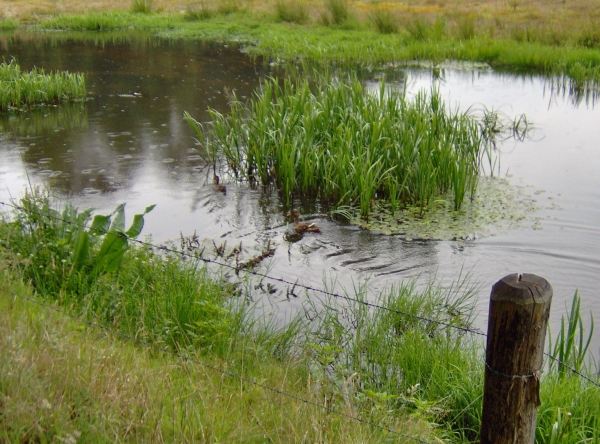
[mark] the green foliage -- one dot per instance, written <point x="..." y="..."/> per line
<point x="292" y="11"/>
<point x="339" y="11"/>
<point x="384" y="21"/>
<point x="141" y="6"/>
<point x="8" y="25"/>
<point x="346" y="146"/>
<point x="18" y="89"/>
<point x="62" y="254"/>
<point x="197" y="12"/>
<point x="571" y="344"/>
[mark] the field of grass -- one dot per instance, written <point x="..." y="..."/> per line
<point x="62" y="379"/>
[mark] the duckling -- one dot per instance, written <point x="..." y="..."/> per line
<point x="302" y="227"/>
<point x="217" y="187"/>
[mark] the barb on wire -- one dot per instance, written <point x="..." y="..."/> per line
<point x="187" y="358"/>
<point x="237" y="269"/>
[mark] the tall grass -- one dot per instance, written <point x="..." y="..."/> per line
<point x="18" y="88"/>
<point x="292" y="11"/>
<point x="339" y="11"/>
<point x="346" y="146"/>
<point x="141" y="6"/>
<point x="403" y="364"/>
<point x="384" y="21"/>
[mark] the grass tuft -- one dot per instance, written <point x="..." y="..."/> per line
<point x="141" y="6"/>
<point x="292" y="11"/>
<point x="384" y="21"/>
<point x="339" y="11"/>
<point x="19" y="89"/>
<point x="198" y="12"/>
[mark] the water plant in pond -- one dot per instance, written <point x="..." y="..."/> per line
<point x="18" y="88"/>
<point x="346" y="146"/>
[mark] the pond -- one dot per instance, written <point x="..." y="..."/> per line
<point x="129" y="143"/>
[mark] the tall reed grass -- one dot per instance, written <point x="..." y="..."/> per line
<point x="344" y="145"/>
<point x="18" y="88"/>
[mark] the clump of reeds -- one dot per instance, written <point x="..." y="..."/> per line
<point x="384" y="21"/>
<point x="200" y="11"/>
<point x="339" y="11"/>
<point x="344" y="145"/>
<point x="18" y="88"/>
<point x="141" y="6"/>
<point x="292" y="11"/>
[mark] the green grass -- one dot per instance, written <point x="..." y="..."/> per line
<point x="347" y="147"/>
<point x="141" y="6"/>
<point x="353" y="42"/>
<point x="19" y="89"/>
<point x="67" y="381"/>
<point x="291" y="11"/>
<point x="59" y="379"/>
<point x="8" y="25"/>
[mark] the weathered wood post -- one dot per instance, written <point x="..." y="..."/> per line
<point x="519" y="310"/>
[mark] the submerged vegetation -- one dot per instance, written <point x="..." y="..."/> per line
<point x="418" y="376"/>
<point x="346" y="146"/>
<point x="19" y="89"/>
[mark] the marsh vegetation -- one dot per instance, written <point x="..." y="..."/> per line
<point x="348" y="147"/>
<point x="20" y="89"/>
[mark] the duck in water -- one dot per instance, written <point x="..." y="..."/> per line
<point x="217" y="186"/>
<point x="295" y="230"/>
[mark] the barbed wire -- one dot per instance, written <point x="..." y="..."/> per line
<point x="299" y="285"/>
<point x="228" y="373"/>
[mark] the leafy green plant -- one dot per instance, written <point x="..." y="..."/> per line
<point x="61" y="252"/>
<point x="571" y="344"/>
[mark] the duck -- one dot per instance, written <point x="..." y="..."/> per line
<point x="218" y="187"/>
<point x="302" y="227"/>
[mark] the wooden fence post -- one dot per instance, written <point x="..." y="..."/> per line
<point x="519" y="310"/>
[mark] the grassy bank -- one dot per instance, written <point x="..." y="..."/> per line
<point x="526" y="37"/>
<point x="61" y="379"/>
<point x="19" y="89"/>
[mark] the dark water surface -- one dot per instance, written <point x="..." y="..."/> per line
<point x="128" y="143"/>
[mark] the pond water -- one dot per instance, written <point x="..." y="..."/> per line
<point x="128" y="143"/>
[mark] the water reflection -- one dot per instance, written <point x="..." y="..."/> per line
<point x="139" y="87"/>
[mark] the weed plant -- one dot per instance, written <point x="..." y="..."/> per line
<point x="292" y="11"/>
<point x="200" y="11"/>
<point x="8" y="25"/>
<point x="346" y="146"/>
<point x="384" y="21"/>
<point x="339" y="11"/>
<point x="19" y="89"/>
<point x="141" y="6"/>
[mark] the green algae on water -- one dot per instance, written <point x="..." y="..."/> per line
<point x="497" y="206"/>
